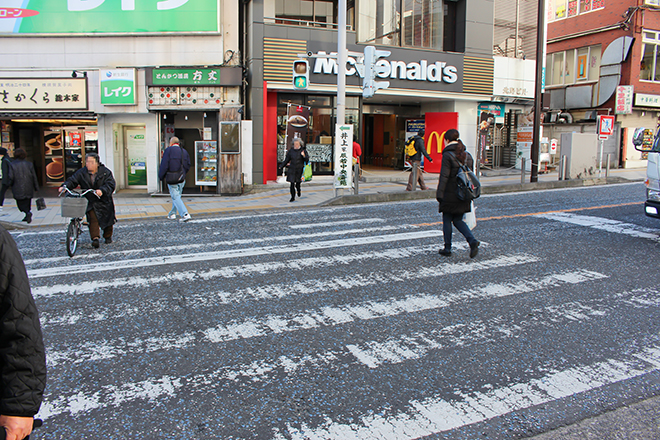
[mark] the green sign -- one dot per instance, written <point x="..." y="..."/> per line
<point x="109" y="16"/>
<point x="186" y="77"/>
<point x="118" y="87"/>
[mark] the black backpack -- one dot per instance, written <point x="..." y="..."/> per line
<point x="468" y="185"/>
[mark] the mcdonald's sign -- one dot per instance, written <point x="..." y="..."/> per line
<point x="437" y="123"/>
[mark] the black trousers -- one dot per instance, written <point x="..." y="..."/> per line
<point x="294" y="186"/>
<point x="24" y="205"/>
<point x="3" y="190"/>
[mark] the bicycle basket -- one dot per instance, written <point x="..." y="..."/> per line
<point x="74" y="206"/>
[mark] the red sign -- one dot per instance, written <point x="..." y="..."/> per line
<point x="605" y="126"/>
<point x="436" y="124"/>
<point x="17" y="13"/>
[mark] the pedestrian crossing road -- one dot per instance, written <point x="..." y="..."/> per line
<point x="345" y="323"/>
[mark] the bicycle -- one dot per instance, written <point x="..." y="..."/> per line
<point x="74" y="205"/>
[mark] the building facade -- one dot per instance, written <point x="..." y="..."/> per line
<point x="119" y="79"/>
<point x="602" y="59"/>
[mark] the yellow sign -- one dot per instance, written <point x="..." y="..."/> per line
<point x="434" y="135"/>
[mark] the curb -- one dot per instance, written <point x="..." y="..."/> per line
<point x="495" y="189"/>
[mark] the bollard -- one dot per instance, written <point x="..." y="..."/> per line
<point x="522" y="170"/>
<point x="607" y="166"/>
<point x="562" y="168"/>
<point x="356" y="179"/>
<point x="415" y="173"/>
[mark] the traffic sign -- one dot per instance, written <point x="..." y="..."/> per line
<point x="605" y="126"/>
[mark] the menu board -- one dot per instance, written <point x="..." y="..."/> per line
<point x="54" y="158"/>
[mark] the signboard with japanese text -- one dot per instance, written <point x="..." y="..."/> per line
<point x="108" y="16"/>
<point x="186" y="77"/>
<point x="644" y="100"/>
<point x="624" y="100"/>
<point x="117" y="87"/>
<point x="31" y="94"/>
<point x="343" y="156"/>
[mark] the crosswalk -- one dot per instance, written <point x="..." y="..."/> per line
<point x="360" y="317"/>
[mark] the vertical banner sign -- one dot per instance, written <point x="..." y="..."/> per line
<point x="297" y="122"/>
<point x="343" y="156"/>
<point x="118" y="87"/>
<point x="624" y="100"/>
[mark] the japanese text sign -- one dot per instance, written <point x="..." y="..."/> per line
<point x="31" y="94"/>
<point x="118" y="87"/>
<point x="343" y="156"/>
<point x="186" y="77"/>
<point x="624" y="100"/>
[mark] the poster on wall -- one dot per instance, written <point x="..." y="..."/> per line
<point x="137" y="157"/>
<point x="108" y="16"/>
<point x="54" y="158"/>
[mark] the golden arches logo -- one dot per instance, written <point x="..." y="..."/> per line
<point x="438" y="137"/>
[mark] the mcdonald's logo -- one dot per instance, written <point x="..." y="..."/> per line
<point x="438" y="138"/>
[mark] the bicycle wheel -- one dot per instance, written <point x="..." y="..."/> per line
<point x="72" y="233"/>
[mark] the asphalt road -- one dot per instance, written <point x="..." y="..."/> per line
<point x="345" y="323"/>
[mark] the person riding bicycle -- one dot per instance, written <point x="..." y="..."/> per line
<point x="101" y="208"/>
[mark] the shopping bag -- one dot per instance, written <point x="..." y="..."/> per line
<point x="307" y="173"/>
<point x="470" y="218"/>
<point x="41" y="204"/>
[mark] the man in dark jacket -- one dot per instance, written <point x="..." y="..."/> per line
<point x="417" y="159"/>
<point x="23" y="181"/>
<point x="6" y="163"/>
<point x="22" y="354"/>
<point x="101" y="208"/>
<point x="173" y="168"/>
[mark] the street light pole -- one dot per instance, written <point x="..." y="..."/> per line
<point x="536" y="135"/>
<point x="341" y="64"/>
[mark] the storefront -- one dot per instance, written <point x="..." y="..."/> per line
<point x="50" y="119"/>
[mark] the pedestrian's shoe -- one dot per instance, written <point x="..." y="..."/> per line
<point x="28" y="217"/>
<point x="172" y="216"/>
<point x="185" y="217"/>
<point x="95" y="243"/>
<point x="298" y="193"/>
<point x="24" y="218"/>
<point x="425" y="188"/>
<point x="474" y="249"/>
<point x="108" y="240"/>
<point x="445" y="252"/>
<point x="293" y="199"/>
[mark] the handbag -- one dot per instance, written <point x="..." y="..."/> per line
<point x="470" y="218"/>
<point x="307" y="173"/>
<point x="41" y="204"/>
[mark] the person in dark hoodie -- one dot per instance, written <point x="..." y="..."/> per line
<point x="452" y="208"/>
<point x="22" y="353"/>
<point x="101" y="208"/>
<point x="23" y="181"/>
<point x="6" y="163"/>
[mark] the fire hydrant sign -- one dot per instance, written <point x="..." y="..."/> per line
<point x="343" y="156"/>
<point x="118" y="87"/>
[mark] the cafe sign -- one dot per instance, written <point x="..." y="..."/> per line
<point x="32" y="94"/>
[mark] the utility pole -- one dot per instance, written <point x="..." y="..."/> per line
<point x="341" y="64"/>
<point x="538" y="96"/>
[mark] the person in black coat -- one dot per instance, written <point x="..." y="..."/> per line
<point x="295" y="159"/>
<point x="452" y="208"/>
<point x="23" y="181"/>
<point x="417" y="158"/>
<point x="6" y="163"/>
<point x="22" y="354"/>
<point x="101" y="208"/>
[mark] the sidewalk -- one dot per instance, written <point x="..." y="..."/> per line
<point x="380" y="185"/>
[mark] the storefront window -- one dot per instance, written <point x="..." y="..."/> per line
<point x="649" y="68"/>
<point x="379" y="22"/>
<point x="573" y="66"/>
<point x="560" y="9"/>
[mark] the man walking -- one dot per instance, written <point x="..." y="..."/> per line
<point x="173" y="168"/>
<point x="417" y="159"/>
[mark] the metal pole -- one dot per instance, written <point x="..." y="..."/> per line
<point x="607" y="165"/>
<point x="562" y="168"/>
<point x="515" y="50"/>
<point x="522" y="170"/>
<point x="600" y="162"/>
<point x="415" y="173"/>
<point x="540" y="32"/>
<point x="356" y="179"/>
<point x="341" y="64"/>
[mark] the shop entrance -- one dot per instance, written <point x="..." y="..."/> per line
<point x="135" y="156"/>
<point x="384" y="138"/>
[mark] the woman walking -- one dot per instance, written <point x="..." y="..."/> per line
<point x="295" y="159"/>
<point x="452" y="208"/>
<point x="23" y="181"/>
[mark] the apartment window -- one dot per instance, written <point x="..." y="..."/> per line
<point x="573" y="66"/>
<point x="432" y="24"/>
<point x="649" y="68"/>
<point x="560" y="9"/>
<point x="318" y="13"/>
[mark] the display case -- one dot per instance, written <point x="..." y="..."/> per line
<point x="206" y="163"/>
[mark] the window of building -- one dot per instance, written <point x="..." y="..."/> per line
<point x="560" y="9"/>
<point x="573" y="66"/>
<point x="317" y="13"/>
<point x="432" y="24"/>
<point x="649" y="68"/>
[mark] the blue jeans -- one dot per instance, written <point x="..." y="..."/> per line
<point x="457" y="220"/>
<point x="177" y="203"/>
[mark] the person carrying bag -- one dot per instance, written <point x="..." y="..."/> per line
<point x="173" y="168"/>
